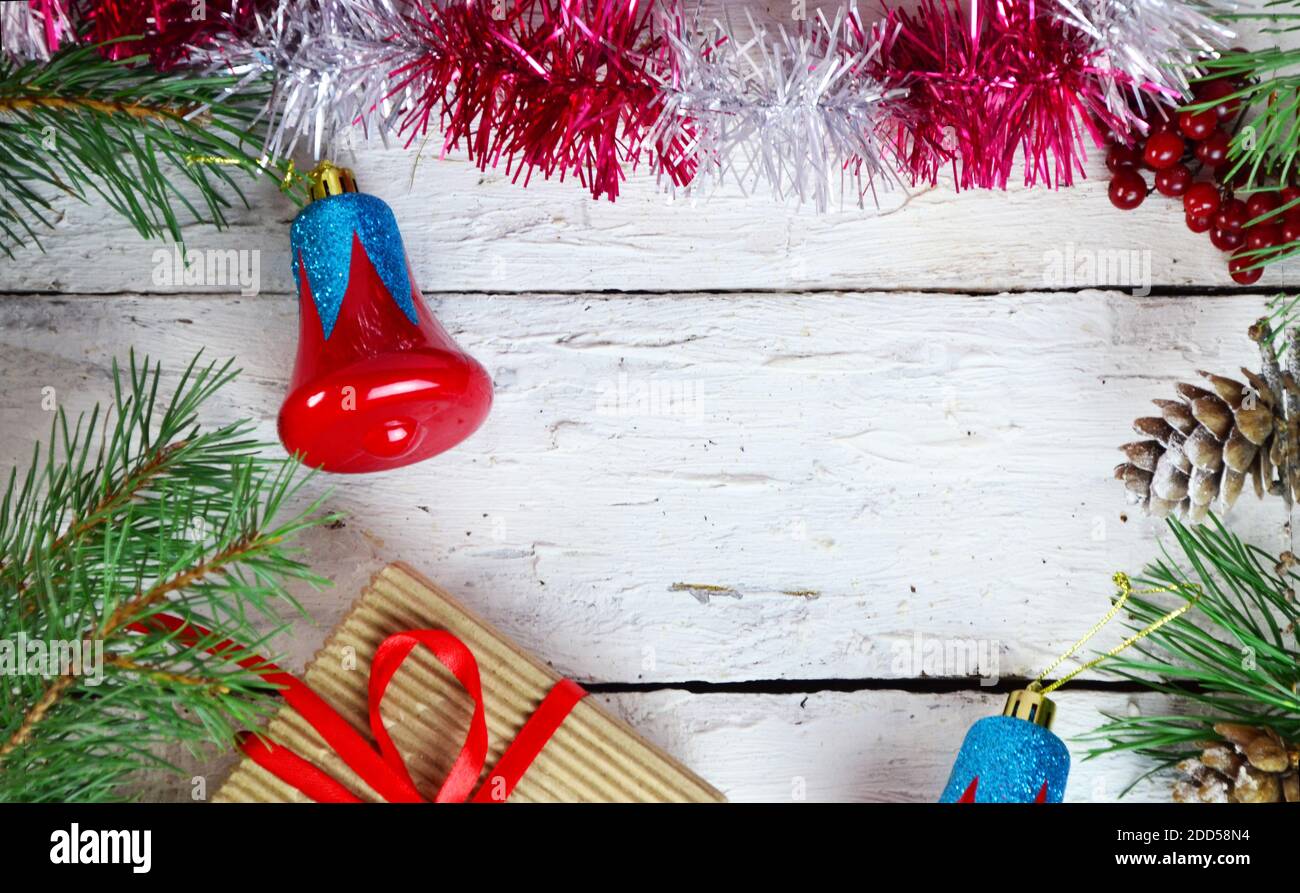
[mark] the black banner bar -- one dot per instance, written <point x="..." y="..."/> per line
<point x="238" y="844"/>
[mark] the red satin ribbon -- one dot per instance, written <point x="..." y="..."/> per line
<point x="385" y="772"/>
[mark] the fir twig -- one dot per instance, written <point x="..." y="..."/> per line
<point x="1267" y="150"/>
<point x="126" y="514"/>
<point x="1283" y="315"/>
<point x="146" y="143"/>
<point x="1234" y="659"/>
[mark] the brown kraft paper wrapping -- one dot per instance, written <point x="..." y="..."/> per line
<point x="592" y="757"/>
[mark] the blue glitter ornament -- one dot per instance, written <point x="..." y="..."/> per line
<point x="322" y="236"/>
<point x="1013" y="758"/>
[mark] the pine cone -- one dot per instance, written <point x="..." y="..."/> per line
<point x="1253" y="765"/>
<point x="1202" y="448"/>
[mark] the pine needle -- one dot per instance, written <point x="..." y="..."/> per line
<point x="123" y="515"/>
<point x="1267" y="150"/>
<point x="86" y="127"/>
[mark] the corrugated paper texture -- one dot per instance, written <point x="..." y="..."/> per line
<point x="592" y="757"/>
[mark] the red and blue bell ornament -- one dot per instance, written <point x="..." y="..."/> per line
<point x="1012" y="758"/>
<point x="377" y="383"/>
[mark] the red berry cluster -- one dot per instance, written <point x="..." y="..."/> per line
<point x="1200" y="140"/>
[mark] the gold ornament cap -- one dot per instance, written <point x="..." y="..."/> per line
<point x="1031" y="705"/>
<point x="329" y="179"/>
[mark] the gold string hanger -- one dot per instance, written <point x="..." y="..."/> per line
<point x="1031" y="703"/>
<point x="291" y="174"/>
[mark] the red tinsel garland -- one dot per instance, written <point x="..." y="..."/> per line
<point x="168" y="31"/>
<point x="1003" y="78"/>
<point x="558" y="86"/>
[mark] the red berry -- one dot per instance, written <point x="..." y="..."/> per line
<point x="1261" y="203"/>
<point x="1120" y="156"/>
<point x="1198" y="125"/>
<point x="1286" y="195"/>
<point x="1214" y="151"/>
<point x="1264" y="235"/>
<point x="1237" y="267"/>
<point x="1216" y="91"/>
<point x="1290" y="231"/>
<point x="1198" y="224"/>
<point x="1201" y="200"/>
<point x="1226" y="239"/>
<point x="1163" y="150"/>
<point x="1127" y="189"/>
<point x="1212" y="89"/>
<point x="1173" y="181"/>
<point x="1232" y="215"/>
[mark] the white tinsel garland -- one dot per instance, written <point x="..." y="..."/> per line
<point x="330" y="62"/>
<point x="795" y="113"/>
<point x="1146" y="49"/>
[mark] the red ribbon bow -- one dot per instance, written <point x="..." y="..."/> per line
<point x="385" y="771"/>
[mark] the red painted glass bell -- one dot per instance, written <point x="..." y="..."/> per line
<point x="377" y="383"/>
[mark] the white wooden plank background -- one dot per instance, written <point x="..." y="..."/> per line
<point x="734" y="444"/>
<point x="469" y="231"/>
<point x="859" y="746"/>
<point x="861" y="472"/>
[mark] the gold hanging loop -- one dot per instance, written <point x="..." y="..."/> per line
<point x="1125" y="587"/>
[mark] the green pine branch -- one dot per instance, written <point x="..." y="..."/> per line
<point x="1269" y="79"/>
<point x="123" y="515"/>
<point x="84" y="126"/>
<point x="1236" y="658"/>
<point x="1266" y="150"/>
<point x="1282" y="320"/>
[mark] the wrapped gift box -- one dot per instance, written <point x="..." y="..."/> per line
<point x="592" y="757"/>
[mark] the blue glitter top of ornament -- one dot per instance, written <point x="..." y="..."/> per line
<point x="1012" y="759"/>
<point x="321" y="235"/>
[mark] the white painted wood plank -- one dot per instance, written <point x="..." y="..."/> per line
<point x="865" y="746"/>
<point x="471" y="231"/>
<point x="468" y="230"/>
<point x="852" y="482"/>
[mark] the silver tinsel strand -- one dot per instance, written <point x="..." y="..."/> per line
<point x="330" y="61"/>
<point x="795" y="113"/>
<point x="22" y="30"/>
<point x="1147" y="49"/>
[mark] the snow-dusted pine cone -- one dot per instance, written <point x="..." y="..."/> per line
<point x="1253" y="765"/>
<point x="1202" y="447"/>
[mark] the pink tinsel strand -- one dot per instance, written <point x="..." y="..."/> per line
<point x="564" y="87"/>
<point x="54" y="21"/>
<point x="1011" y="82"/>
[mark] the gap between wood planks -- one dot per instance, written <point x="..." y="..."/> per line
<point x="1155" y="291"/>
<point x="813" y="686"/>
